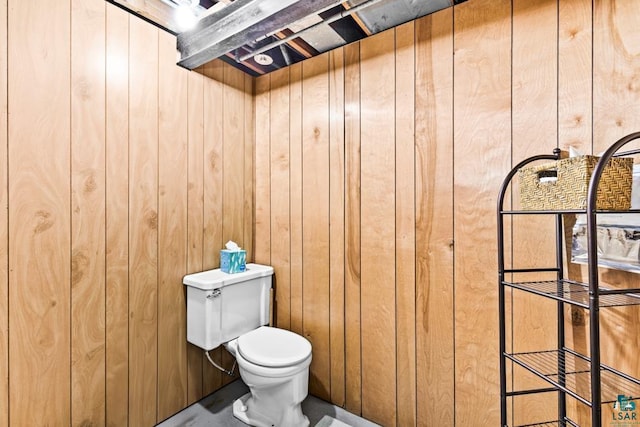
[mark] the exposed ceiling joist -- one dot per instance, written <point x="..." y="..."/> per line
<point x="261" y="36"/>
<point x="240" y="23"/>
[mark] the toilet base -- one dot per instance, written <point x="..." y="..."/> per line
<point x="242" y="411"/>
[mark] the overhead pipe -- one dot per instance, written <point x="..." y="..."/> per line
<point x="330" y="20"/>
<point x="285" y="55"/>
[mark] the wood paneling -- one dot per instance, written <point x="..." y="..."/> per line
<point x="39" y="212"/>
<point x="213" y="193"/>
<point x="249" y="164"/>
<point x="378" y="246"/>
<point x="534" y="100"/>
<point x="482" y="97"/>
<point x="616" y="105"/>
<point x="233" y="170"/>
<point x="88" y="212"/>
<point x="386" y="149"/>
<point x="575" y="129"/>
<point x="262" y="237"/>
<point x="405" y="208"/>
<point x="4" y="219"/>
<point x="233" y="154"/>
<point x="477" y="108"/>
<point x="336" y="224"/>
<point x="280" y="195"/>
<point x="104" y="154"/>
<point x="295" y="201"/>
<point x="143" y="224"/>
<point x="616" y="59"/>
<point x="195" y="213"/>
<point x="213" y="168"/>
<point x="434" y="219"/>
<point x="172" y="230"/>
<point x="353" y="349"/>
<point x="117" y="214"/>
<point x="575" y="74"/>
<point x="315" y="220"/>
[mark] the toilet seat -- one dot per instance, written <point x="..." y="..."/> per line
<point x="273" y="347"/>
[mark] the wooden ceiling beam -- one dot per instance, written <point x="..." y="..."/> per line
<point x="356" y="18"/>
<point x="241" y="22"/>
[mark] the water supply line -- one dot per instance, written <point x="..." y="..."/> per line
<point x="327" y="21"/>
<point x="230" y="373"/>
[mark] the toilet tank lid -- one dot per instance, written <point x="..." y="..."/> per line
<point x="214" y="279"/>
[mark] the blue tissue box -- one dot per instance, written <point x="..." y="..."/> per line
<point x="233" y="261"/>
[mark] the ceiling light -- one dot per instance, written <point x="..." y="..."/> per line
<point x="185" y="18"/>
<point x="263" y="59"/>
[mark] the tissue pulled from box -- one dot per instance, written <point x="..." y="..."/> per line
<point x="232" y="246"/>
<point x="233" y="259"/>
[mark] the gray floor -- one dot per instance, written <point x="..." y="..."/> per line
<point x="216" y="410"/>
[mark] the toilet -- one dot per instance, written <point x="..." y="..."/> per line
<point x="233" y="310"/>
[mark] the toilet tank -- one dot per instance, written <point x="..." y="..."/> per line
<point x="222" y="306"/>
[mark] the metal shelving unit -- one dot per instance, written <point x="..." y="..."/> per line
<point x="567" y="372"/>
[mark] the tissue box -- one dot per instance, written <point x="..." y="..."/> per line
<point x="233" y="261"/>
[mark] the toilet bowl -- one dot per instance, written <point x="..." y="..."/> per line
<point x="274" y="364"/>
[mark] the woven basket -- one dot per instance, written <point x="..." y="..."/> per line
<point x="569" y="190"/>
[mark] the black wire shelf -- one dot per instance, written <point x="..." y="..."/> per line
<point x="570" y="372"/>
<point x="545" y="424"/>
<point x="577" y="293"/>
<point x="566" y="212"/>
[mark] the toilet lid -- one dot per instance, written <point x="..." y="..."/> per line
<point x="273" y="347"/>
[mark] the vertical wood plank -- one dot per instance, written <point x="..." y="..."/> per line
<point x="4" y="220"/>
<point x="315" y="219"/>
<point x="213" y="168"/>
<point x="213" y="193"/>
<point x="249" y="163"/>
<point x="482" y="96"/>
<point x="575" y="74"/>
<point x="295" y="196"/>
<point x="262" y="245"/>
<point x="232" y="169"/>
<point x="143" y="223"/>
<point x="378" y="236"/>
<point x="39" y="212"/>
<point x="195" y="213"/>
<point x="172" y="230"/>
<point x="353" y="354"/>
<point x="534" y="101"/>
<point x="117" y="217"/>
<point x="434" y="219"/>
<point x="575" y="129"/>
<point x="616" y="60"/>
<point x="405" y="225"/>
<point x="280" y="215"/>
<point x="88" y="212"/>
<point x="336" y="224"/>
<point x="233" y="155"/>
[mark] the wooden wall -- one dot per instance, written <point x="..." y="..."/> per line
<point x="121" y="172"/>
<point x="372" y="193"/>
<point x="377" y="171"/>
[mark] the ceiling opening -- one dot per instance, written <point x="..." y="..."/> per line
<point x="260" y="36"/>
